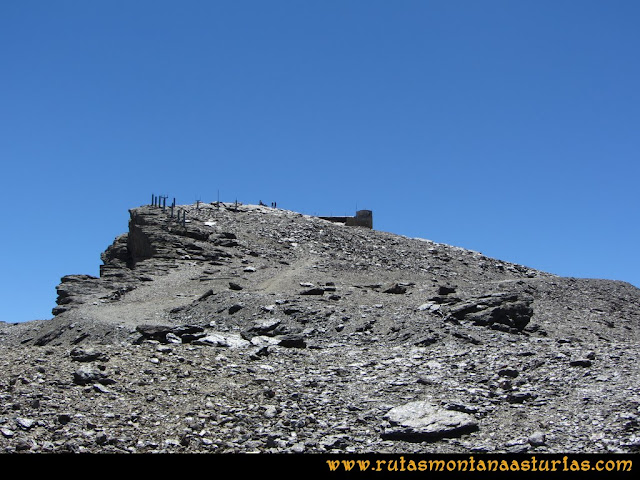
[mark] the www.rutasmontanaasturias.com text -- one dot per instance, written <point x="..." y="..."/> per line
<point x="472" y="464"/>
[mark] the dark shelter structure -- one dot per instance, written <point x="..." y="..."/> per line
<point x="363" y="218"/>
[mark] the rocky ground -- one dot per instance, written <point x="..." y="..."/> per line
<point x="254" y="329"/>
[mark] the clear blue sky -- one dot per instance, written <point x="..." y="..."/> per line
<point x="507" y="127"/>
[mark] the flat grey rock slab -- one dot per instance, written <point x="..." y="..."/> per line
<point x="230" y="340"/>
<point x="423" y="421"/>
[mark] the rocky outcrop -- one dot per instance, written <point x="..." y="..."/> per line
<point x="72" y="290"/>
<point x="501" y="311"/>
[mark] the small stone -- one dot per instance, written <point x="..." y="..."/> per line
<point x="154" y="332"/>
<point x="335" y="441"/>
<point x="235" y="308"/>
<point x="292" y="340"/>
<point x="445" y="290"/>
<point x="422" y="421"/>
<point x="396" y="289"/>
<point x="173" y="338"/>
<point x="100" y="389"/>
<point x="24" y="444"/>
<point x="519" y="397"/>
<point x="264" y="327"/>
<point x="580" y="362"/>
<point x="206" y="295"/>
<point x="537" y="439"/>
<point x="270" y="411"/>
<point x="25" y="423"/>
<point x="88" y="354"/>
<point x="298" y="447"/>
<point x="313" y="291"/>
<point x="86" y="375"/>
<point x="223" y="340"/>
<point x="64" y="418"/>
<point x="508" y="372"/>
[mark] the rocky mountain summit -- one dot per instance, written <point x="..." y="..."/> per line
<point x="243" y="328"/>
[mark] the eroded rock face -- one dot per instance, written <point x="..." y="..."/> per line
<point x="139" y="246"/>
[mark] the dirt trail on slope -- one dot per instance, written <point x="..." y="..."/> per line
<point x="289" y="278"/>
